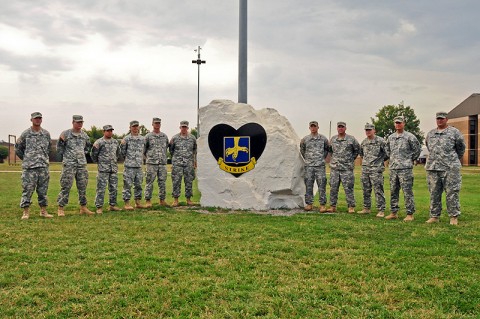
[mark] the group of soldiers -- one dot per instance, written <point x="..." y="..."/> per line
<point x="34" y="145"/>
<point x="401" y="149"/>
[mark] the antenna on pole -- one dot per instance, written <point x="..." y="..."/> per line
<point x="198" y="61"/>
<point x="242" y="53"/>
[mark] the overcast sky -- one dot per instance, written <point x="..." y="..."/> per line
<point x="115" y="61"/>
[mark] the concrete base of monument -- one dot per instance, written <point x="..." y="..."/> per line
<point x="239" y="167"/>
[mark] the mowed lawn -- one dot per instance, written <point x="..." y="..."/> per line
<point x="208" y="263"/>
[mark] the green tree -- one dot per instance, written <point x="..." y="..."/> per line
<point x="3" y="153"/>
<point x="384" y="124"/>
<point x="194" y="132"/>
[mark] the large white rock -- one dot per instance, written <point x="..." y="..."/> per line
<point x="277" y="179"/>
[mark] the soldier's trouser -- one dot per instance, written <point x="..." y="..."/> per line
<point x="188" y="174"/>
<point x="347" y="178"/>
<point x="375" y="180"/>
<point x="132" y="176"/>
<point x="35" y="178"/>
<point x="402" y="178"/>
<point x="69" y="173"/>
<point x="159" y="172"/>
<point x="312" y="174"/>
<point x="104" y="178"/>
<point x="450" y="182"/>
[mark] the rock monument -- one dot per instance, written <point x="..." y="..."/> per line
<point x="238" y="169"/>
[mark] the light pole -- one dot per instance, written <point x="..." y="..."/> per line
<point x="198" y="61"/>
<point x="242" y="53"/>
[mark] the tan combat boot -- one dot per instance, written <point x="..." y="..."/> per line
<point x="138" y="204"/>
<point x="308" y="207"/>
<point x="175" y="202"/>
<point x="392" y="216"/>
<point x="190" y="203"/>
<point x="409" y="218"/>
<point x="60" y="211"/>
<point x="127" y="206"/>
<point x="351" y="210"/>
<point x="322" y="209"/>
<point x="364" y="211"/>
<point x="454" y="220"/>
<point x="432" y="220"/>
<point x="332" y="209"/>
<point x="114" y="208"/>
<point x="162" y="202"/>
<point x="44" y="213"/>
<point x="99" y="211"/>
<point x="26" y="213"/>
<point x="86" y="211"/>
<point x="380" y="214"/>
<point x="148" y="203"/>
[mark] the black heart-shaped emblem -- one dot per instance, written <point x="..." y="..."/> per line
<point x="237" y="151"/>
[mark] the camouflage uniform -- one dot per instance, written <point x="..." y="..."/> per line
<point x="156" y="145"/>
<point x="314" y="149"/>
<point x="184" y="154"/>
<point x="443" y="165"/>
<point x="71" y="148"/>
<point x="344" y="152"/>
<point x="132" y="150"/>
<point x="33" y="149"/>
<point x="402" y="149"/>
<point x="105" y="153"/>
<point x="373" y="155"/>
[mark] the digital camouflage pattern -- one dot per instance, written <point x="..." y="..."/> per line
<point x="446" y="148"/>
<point x="314" y="149"/>
<point x="33" y="149"/>
<point x="402" y="178"/>
<point x="347" y="179"/>
<point x="159" y="172"/>
<point x="105" y="153"/>
<point x="373" y="155"/>
<point x="184" y="155"/>
<point x="132" y="147"/>
<point x="71" y="149"/>
<point x="155" y="151"/>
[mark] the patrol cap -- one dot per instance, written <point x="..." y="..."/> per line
<point x="184" y="123"/>
<point x="134" y="123"/>
<point x="341" y="124"/>
<point x="369" y="126"/>
<point x="313" y="123"/>
<point x="108" y="128"/>
<point x="156" y="120"/>
<point x="399" y="119"/>
<point x="36" y="115"/>
<point x="77" y="118"/>
<point x="441" y="115"/>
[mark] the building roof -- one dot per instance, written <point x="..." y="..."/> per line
<point x="471" y="106"/>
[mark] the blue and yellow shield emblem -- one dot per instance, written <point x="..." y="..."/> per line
<point x="236" y="149"/>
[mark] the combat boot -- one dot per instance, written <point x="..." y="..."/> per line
<point x="364" y="211"/>
<point x="392" y="216"/>
<point x="409" y="218"/>
<point x="162" y="202"/>
<point x="26" y="213"/>
<point x="175" y="202"/>
<point x="190" y="203"/>
<point x="99" y="210"/>
<point x="380" y="215"/>
<point x="60" y="211"/>
<point x="332" y="209"/>
<point x="138" y="204"/>
<point x="114" y="208"/>
<point x="127" y="206"/>
<point x="454" y="220"/>
<point x="148" y="203"/>
<point x="308" y="207"/>
<point x="44" y="213"/>
<point x="86" y="211"/>
<point x="322" y="209"/>
<point x="351" y="210"/>
<point x="432" y="220"/>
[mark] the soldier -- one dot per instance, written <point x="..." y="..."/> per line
<point x="33" y="148"/>
<point x="105" y="152"/>
<point x="403" y="149"/>
<point x="72" y="146"/>
<point x="446" y="146"/>
<point x="345" y="149"/>
<point x="183" y="147"/>
<point x="155" y="151"/>
<point x="373" y="153"/>
<point x="314" y="149"/>
<point x="132" y="150"/>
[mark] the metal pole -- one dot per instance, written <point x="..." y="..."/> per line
<point x="198" y="61"/>
<point x="242" y="53"/>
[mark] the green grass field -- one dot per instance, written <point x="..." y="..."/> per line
<point x="184" y="263"/>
